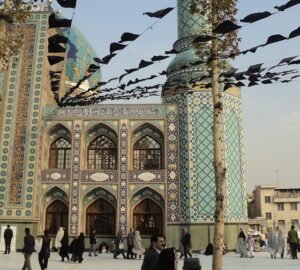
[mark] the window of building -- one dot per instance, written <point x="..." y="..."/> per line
<point x="56" y="216"/>
<point x="295" y="222"/>
<point x="294" y="206"/>
<point x="148" y="217"/>
<point x="268" y="215"/>
<point x="60" y="154"/>
<point x="267" y="199"/>
<point x="100" y="215"/>
<point x="147" y="154"/>
<point x="280" y="206"/>
<point x="281" y="224"/>
<point x="102" y="154"/>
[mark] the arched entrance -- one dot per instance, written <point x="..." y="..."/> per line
<point x="148" y="217"/>
<point x="100" y="215"/>
<point x="56" y="216"/>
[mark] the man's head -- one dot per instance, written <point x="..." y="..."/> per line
<point x="46" y="232"/>
<point x="293" y="227"/>
<point x="8" y="226"/>
<point x="158" y="241"/>
<point x="27" y="230"/>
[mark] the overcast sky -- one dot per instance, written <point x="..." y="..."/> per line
<point x="271" y="112"/>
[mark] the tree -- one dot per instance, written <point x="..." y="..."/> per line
<point x="215" y="12"/>
<point x="14" y="11"/>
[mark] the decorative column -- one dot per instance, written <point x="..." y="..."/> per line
<point x="123" y="161"/>
<point x="75" y="178"/>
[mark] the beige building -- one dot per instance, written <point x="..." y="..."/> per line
<point x="271" y="207"/>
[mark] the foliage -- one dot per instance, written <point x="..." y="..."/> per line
<point x="14" y="12"/>
<point x="216" y="12"/>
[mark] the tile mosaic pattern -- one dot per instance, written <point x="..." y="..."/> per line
<point x="74" y="201"/>
<point x="144" y="193"/>
<point x="97" y="193"/>
<point x="196" y="158"/>
<point x="55" y="176"/>
<point x="112" y="176"/>
<point x="158" y="176"/>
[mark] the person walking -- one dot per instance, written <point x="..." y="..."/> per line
<point x="93" y="242"/>
<point x="119" y="245"/>
<point x="251" y="245"/>
<point x="44" y="253"/>
<point x="64" y="249"/>
<point x="130" y="239"/>
<point x="181" y="249"/>
<point x="186" y="243"/>
<point x="80" y="247"/>
<point x="8" y="235"/>
<point x="241" y="244"/>
<point x="28" y="249"/>
<point x="59" y="236"/>
<point x="293" y="241"/>
<point x="272" y="243"/>
<point x="281" y="244"/>
<point x="157" y="244"/>
<point x="138" y="250"/>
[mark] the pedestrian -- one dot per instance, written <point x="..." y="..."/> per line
<point x="64" y="248"/>
<point x="8" y="235"/>
<point x="157" y="244"/>
<point x="103" y="248"/>
<point x="44" y="253"/>
<point x="59" y="236"/>
<point x="130" y="239"/>
<point x="72" y="249"/>
<point x="281" y="244"/>
<point x="272" y="243"/>
<point x="138" y="250"/>
<point x="209" y="250"/>
<point x="181" y="249"/>
<point x="241" y="244"/>
<point x="119" y="245"/>
<point x="251" y="245"/>
<point x="186" y="243"/>
<point x="293" y="241"/>
<point x="28" y="249"/>
<point x="167" y="259"/>
<point x="93" y="242"/>
<point x="79" y="247"/>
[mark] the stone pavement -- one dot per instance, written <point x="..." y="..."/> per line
<point x="232" y="261"/>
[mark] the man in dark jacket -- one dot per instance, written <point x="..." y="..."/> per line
<point x="293" y="241"/>
<point x="8" y="235"/>
<point x="93" y="242"/>
<point x="158" y="243"/>
<point x="44" y="254"/>
<point x="186" y="243"/>
<point x="28" y="249"/>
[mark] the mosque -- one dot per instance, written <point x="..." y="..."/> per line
<point x="115" y="167"/>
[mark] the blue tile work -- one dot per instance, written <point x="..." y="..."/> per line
<point x="196" y="158"/>
<point x="21" y="114"/>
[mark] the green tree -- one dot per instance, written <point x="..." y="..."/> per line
<point x="215" y="12"/>
<point x="14" y="11"/>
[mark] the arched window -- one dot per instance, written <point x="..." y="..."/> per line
<point x="102" y="154"/>
<point x="56" y="216"/>
<point x="60" y="154"/>
<point x="148" y="217"/>
<point x="100" y="215"/>
<point x="147" y="154"/>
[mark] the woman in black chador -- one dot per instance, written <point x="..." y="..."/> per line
<point x="64" y="250"/>
<point x="79" y="248"/>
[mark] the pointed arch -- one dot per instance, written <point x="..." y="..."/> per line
<point x="147" y="208"/>
<point x="147" y="148"/>
<point x="59" y="152"/>
<point x="100" y="212"/>
<point x="101" y="148"/>
<point x="56" y="204"/>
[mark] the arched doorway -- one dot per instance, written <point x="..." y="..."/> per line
<point x="56" y="216"/>
<point x="101" y="216"/>
<point x="148" y="217"/>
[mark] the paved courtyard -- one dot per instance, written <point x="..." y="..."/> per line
<point x="232" y="261"/>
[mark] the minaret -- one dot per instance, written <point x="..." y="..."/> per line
<point x="196" y="138"/>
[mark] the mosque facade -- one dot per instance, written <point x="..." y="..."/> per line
<point x="115" y="167"/>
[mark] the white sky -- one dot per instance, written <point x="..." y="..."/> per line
<point x="271" y="112"/>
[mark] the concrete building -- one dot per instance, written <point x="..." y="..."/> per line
<point x="276" y="208"/>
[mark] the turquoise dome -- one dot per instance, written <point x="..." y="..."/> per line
<point x="80" y="55"/>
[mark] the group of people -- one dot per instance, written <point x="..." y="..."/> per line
<point x="275" y="243"/>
